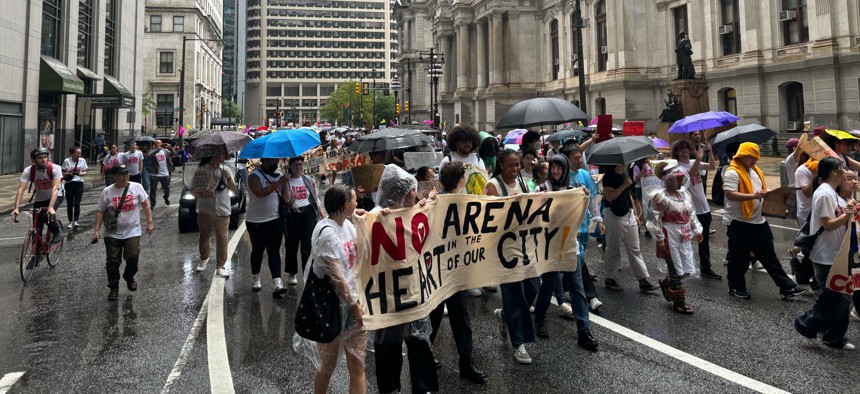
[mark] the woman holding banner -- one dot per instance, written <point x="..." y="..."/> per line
<point x="513" y="318"/>
<point x="558" y="180"/>
<point x="334" y="259"/>
<point x="399" y="189"/>
<point x="453" y="178"/>
<point x="829" y="314"/>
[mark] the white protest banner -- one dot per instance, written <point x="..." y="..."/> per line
<point x="416" y="160"/>
<point x="413" y="259"/>
<point x="314" y="162"/>
<point x="342" y="160"/>
<point x="844" y="276"/>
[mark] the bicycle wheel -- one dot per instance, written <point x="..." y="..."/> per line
<point x="55" y="253"/>
<point x="29" y="256"/>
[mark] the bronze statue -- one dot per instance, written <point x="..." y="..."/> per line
<point x="673" y="108"/>
<point x="684" y="57"/>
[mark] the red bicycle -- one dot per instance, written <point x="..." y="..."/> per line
<point x="36" y="245"/>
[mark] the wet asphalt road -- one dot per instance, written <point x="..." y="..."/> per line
<point x="60" y="330"/>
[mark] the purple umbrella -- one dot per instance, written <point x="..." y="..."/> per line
<point x="515" y="136"/>
<point x="702" y="121"/>
<point x="659" y="143"/>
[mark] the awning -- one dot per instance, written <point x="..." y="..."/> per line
<point x="114" y="88"/>
<point x="54" y="76"/>
<point x="86" y="73"/>
<point x="222" y="121"/>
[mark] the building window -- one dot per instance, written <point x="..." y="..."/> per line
<point x="730" y="30"/>
<point x="51" y="14"/>
<point x="679" y="14"/>
<point x="155" y="23"/>
<point x="164" y="110"/>
<point x="730" y="101"/>
<point x="794" y="102"/>
<point x="600" y="104"/>
<point x="110" y="37"/>
<point x="85" y="33"/>
<point x="600" y="21"/>
<point x="179" y="23"/>
<point x="574" y="39"/>
<point x="165" y="62"/>
<point x="795" y="26"/>
<point x="553" y="33"/>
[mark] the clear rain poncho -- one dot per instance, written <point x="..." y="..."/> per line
<point x="395" y="185"/>
<point x="333" y="255"/>
<point x="672" y="218"/>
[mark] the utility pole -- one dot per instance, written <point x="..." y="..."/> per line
<point x="373" y="74"/>
<point x="577" y="15"/>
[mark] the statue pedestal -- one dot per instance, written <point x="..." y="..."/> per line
<point x="693" y="96"/>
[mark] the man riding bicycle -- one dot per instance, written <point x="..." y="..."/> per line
<point x="46" y="186"/>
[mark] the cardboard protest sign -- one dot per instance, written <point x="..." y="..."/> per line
<point x="844" y="276"/>
<point x="416" y="160"/>
<point x="425" y="187"/>
<point x="342" y="160"/>
<point x="368" y="176"/>
<point x="476" y="179"/>
<point x="413" y="259"/>
<point x="775" y="201"/>
<point x="816" y="148"/>
<point x="314" y="162"/>
<point x="633" y="128"/>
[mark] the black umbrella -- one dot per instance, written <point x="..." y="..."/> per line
<point x="144" y="138"/>
<point x="620" y="150"/>
<point x="755" y="133"/>
<point x="218" y="144"/>
<point x="538" y="112"/>
<point x="565" y="134"/>
<point x="389" y="139"/>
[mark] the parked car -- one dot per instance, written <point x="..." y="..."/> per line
<point x="188" y="203"/>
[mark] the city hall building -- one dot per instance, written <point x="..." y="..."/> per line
<point x="71" y="69"/>
<point x="299" y="51"/>
<point x="778" y="63"/>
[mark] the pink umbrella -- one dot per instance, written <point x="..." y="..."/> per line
<point x="593" y="121"/>
<point x="428" y="121"/>
<point x="515" y="136"/>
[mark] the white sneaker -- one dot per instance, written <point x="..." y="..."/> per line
<point x="76" y="224"/>
<point x="532" y="309"/>
<point x="278" y="286"/>
<point x="854" y="315"/>
<point x="565" y="310"/>
<point x="758" y="267"/>
<point x="848" y="346"/>
<point x="292" y="279"/>
<point x="70" y="225"/>
<point x="444" y="310"/>
<point x="256" y="285"/>
<point x="474" y="292"/>
<point x="522" y="356"/>
<point x="202" y="265"/>
<point x="503" y="329"/>
<point x="594" y="304"/>
<point x="223" y="272"/>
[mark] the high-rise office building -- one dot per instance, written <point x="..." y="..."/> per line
<point x="228" y="57"/>
<point x="299" y="51"/>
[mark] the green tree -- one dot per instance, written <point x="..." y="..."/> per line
<point x="229" y="109"/>
<point x="344" y="103"/>
<point x="146" y="106"/>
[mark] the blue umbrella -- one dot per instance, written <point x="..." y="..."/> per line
<point x="702" y="121"/>
<point x="282" y="144"/>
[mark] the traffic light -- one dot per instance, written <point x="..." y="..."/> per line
<point x="365" y="87"/>
<point x="357" y="88"/>
<point x="385" y="92"/>
<point x="205" y="108"/>
<point x="397" y="108"/>
<point x="406" y="106"/>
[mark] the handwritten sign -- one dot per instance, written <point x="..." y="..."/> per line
<point x="816" y="148"/>
<point x="425" y="187"/>
<point x="633" y="128"/>
<point x="368" y="176"/>
<point x="342" y="160"/>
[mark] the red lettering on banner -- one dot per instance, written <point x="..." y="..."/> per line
<point x="420" y="231"/>
<point x="379" y="237"/>
<point x="840" y="283"/>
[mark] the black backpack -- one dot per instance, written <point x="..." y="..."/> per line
<point x="718" y="196"/>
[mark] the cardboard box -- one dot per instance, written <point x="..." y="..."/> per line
<point x="775" y="202"/>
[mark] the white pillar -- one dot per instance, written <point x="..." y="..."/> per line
<point x="462" y="55"/>
<point x="482" y="54"/>
<point x="497" y="44"/>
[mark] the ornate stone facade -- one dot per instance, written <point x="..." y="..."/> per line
<point x="770" y="65"/>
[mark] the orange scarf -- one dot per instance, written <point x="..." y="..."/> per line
<point x="745" y="185"/>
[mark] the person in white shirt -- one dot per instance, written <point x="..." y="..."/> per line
<point x="681" y="151"/>
<point x="122" y="240"/>
<point x="46" y="179"/>
<point x="161" y="165"/>
<point x="110" y="160"/>
<point x="745" y="188"/>
<point x="211" y="185"/>
<point x="306" y="211"/>
<point x="464" y="142"/>
<point x="831" y="212"/>
<point x="133" y="159"/>
<point x="74" y="168"/>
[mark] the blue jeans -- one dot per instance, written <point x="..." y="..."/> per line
<point x="144" y="178"/>
<point x="577" y="297"/>
<point x="829" y="314"/>
<point x="515" y="311"/>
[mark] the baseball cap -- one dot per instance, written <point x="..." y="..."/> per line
<point x="119" y="169"/>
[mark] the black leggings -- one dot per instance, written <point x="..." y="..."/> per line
<point x="266" y="237"/>
<point x="74" y="194"/>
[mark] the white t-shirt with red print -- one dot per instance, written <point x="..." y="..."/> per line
<point x="110" y="161"/>
<point x="337" y="245"/>
<point x="161" y="159"/>
<point x="43" y="185"/>
<point x="301" y="194"/>
<point x="696" y="189"/>
<point x="132" y="161"/>
<point x="128" y="222"/>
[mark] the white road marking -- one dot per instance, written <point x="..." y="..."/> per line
<point x="9" y="380"/>
<point x="219" y="356"/>
<point x="690" y="359"/>
<point x="12" y="238"/>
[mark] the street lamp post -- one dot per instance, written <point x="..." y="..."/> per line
<point x="436" y="60"/>
<point x="373" y="74"/>
<point x="577" y="15"/>
<point x="395" y="86"/>
<point x="182" y="85"/>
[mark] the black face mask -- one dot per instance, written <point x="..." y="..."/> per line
<point x="271" y="169"/>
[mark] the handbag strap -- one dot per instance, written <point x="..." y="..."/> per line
<point x="118" y="209"/>
<point x="311" y="265"/>
<point x="270" y="182"/>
